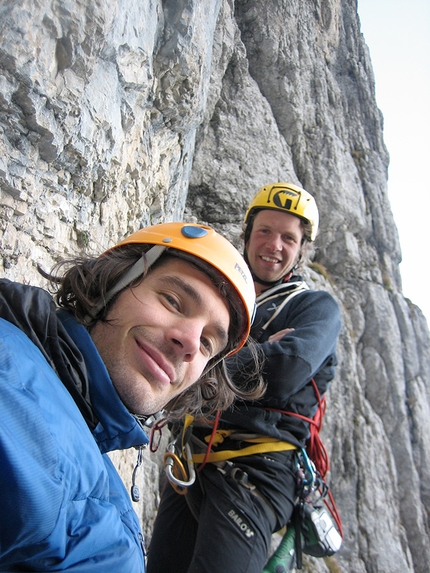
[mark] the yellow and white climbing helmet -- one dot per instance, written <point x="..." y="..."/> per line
<point x="288" y="198"/>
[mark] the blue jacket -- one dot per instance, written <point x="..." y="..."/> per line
<point x="63" y="505"/>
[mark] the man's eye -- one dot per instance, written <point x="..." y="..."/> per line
<point x="171" y="300"/>
<point x="207" y="345"/>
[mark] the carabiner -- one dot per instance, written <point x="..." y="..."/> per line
<point x="156" y="434"/>
<point x="172" y="464"/>
<point x="308" y="476"/>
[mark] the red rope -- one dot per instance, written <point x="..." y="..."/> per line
<point x="314" y="446"/>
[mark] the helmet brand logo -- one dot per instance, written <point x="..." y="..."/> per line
<point x="284" y="199"/>
<point x="239" y="268"/>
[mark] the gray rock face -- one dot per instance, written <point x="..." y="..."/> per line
<point x="114" y="115"/>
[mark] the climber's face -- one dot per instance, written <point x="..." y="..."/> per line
<point x="274" y="245"/>
<point x="160" y="335"/>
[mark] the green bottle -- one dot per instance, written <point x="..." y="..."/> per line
<point x="282" y="561"/>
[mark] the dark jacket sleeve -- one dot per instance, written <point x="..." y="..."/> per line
<point x="306" y="352"/>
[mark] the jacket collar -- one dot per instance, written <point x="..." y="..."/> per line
<point x="116" y="428"/>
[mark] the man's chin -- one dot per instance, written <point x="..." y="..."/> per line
<point x="265" y="278"/>
<point x="144" y="405"/>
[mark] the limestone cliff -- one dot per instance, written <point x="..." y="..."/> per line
<point x="121" y="113"/>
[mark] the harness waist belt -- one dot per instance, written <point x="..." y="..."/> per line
<point x="258" y="448"/>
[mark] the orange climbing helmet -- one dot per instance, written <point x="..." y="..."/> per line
<point x="199" y="241"/>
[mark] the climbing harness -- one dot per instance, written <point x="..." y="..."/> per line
<point x="268" y="445"/>
<point x="315" y="527"/>
<point x="179" y="460"/>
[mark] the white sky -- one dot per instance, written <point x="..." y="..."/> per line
<point x="398" y="35"/>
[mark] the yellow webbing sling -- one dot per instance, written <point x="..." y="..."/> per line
<point x="262" y="445"/>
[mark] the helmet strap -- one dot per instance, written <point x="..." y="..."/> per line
<point x="134" y="272"/>
<point x="297" y="263"/>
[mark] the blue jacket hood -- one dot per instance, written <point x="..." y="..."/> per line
<point x="117" y="429"/>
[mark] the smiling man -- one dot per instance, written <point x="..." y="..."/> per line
<point x="144" y="326"/>
<point x="274" y="246"/>
<point x="161" y="334"/>
<point x="246" y="492"/>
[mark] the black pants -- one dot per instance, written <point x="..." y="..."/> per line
<point x="233" y="528"/>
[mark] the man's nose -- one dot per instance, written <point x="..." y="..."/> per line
<point x="274" y="243"/>
<point x="186" y="338"/>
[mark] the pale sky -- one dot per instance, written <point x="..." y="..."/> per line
<point x="398" y="35"/>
